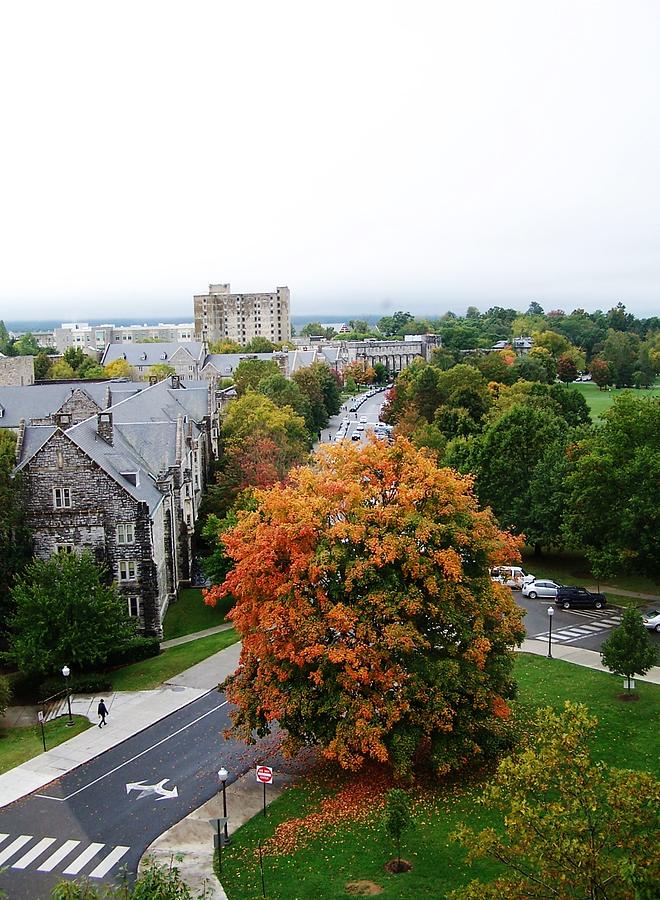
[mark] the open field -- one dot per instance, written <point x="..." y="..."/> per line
<point x="357" y="850"/>
<point x="599" y="400"/>
<point x="148" y="674"/>
<point x="190" y="614"/>
<point x="20" y="744"/>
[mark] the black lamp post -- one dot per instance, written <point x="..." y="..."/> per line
<point x="223" y="774"/>
<point x="551" y="613"/>
<point x="66" y="671"/>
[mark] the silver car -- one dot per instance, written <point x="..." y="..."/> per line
<point x="540" y="588"/>
<point x="651" y="619"/>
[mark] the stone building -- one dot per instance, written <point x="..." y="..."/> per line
<point x="221" y="315"/>
<point x="186" y="359"/>
<point x="16" y="370"/>
<point x="60" y="403"/>
<point x="126" y="484"/>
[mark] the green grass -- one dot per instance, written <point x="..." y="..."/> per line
<point x="599" y="401"/>
<point x="574" y="569"/>
<point x="190" y="614"/>
<point x="20" y="744"/>
<point x="150" y="673"/>
<point x="626" y="737"/>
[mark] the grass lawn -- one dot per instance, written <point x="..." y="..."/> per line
<point x="20" y="744"/>
<point x="190" y="614"/>
<point x="358" y="850"/>
<point x="571" y="568"/>
<point x="148" y="674"/>
<point x="599" y="400"/>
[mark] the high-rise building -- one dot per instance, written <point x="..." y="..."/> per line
<point x="221" y="315"/>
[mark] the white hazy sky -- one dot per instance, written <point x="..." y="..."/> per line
<point x="371" y="155"/>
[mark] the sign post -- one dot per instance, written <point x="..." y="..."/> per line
<point x="264" y="776"/>
<point x="218" y="837"/>
<point x="40" y="719"/>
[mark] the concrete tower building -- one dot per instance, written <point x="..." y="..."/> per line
<point x="221" y="315"/>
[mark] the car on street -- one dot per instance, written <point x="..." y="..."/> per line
<point x="540" y="588"/>
<point x="570" y="596"/>
<point x="651" y="619"/>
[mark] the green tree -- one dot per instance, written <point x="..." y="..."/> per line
<point x="284" y="392"/>
<point x="6" y="343"/>
<point x="511" y="449"/>
<point x="90" y="369"/>
<point x="612" y="508"/>
<point x="394" y="324"/>
<point x="573" y="828"/>
<point x="600" y="372"/>
<point x="552" y="341"/>
<point x="161" y="371"/>
<point x="42" y="365"/>
<point x="319" y="385"/>
<point x="61" y="369"/>
<point x="65" y="613"/>
<point x="530" y="368"/>
<point x="259" y="344"/>
<point x="225" y="346"/>
<point x="14" y="536"/>
<point x="26" y="345"/>
<point x="5" y="696"/>
<point x="644" y="374"/>
<point x="628" y="651"/>
<point x="74" y="356"/>
<point x="249" y="372"/>
<point x="620" y="350"/>
<point x="543" y="355"/>
<point x="119" y="368"/>
<point x="381" y="375"/>
<point x="398" y="818"/>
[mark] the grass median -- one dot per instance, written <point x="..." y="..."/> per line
<point x="17" y="745"/>
<point x="150" y="673"/>
<point x="347" y="851"/>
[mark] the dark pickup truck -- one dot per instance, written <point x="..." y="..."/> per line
<point x="579" y="596"/>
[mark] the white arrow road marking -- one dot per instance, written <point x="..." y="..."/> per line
<point x="106" y="864"/>
<point x="146" y="789"/>
<point x="14" y="847"/>
<point x="82" y="860"/>
<point x="32" y="853"/>
<point x="49" y="864"/>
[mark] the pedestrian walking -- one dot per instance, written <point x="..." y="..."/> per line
<point x="103" y="712"/>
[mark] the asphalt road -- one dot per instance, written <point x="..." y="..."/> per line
<point x="88" y="824"/>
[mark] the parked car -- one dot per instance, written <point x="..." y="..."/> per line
<point x="651" y="619"/>
<point x="511" y="576"/>
<point x="568" y="597"/>
<point x="537" y="588"/>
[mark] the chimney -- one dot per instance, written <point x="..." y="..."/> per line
<point x="20" y="437"/>
<point x="104" y="426"/>
<point x="176" y="381"/>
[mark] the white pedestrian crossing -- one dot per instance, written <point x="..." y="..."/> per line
<point x="79" y="863"/>
<point x="64" y="857"/>
<point x="570" y="633"/>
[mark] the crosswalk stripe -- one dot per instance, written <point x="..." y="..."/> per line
<point x="106" y="864"/>
<point x="33" y="852"/>
<point x="2" y="837"/>
<point x="49" y="864"/>
<point x="14" y="847"/>
<point x="80" y="861"/>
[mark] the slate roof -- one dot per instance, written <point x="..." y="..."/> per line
<point x="37" y="401"/>
<point x="152" y="354"/>
<point x="225" y="363"/>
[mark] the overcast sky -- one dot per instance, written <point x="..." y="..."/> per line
<point x="370" y="155"/>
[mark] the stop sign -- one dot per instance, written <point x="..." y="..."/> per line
<point x="264" y="775"/>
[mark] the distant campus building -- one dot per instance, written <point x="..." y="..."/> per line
<point x="221" y="315"/>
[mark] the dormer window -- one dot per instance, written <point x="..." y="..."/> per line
<point x="132" y="477"/>
<point x="143" y="356"/>
<point x="163" y="355"/>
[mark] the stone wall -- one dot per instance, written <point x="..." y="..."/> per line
<point x="16" y="370"/>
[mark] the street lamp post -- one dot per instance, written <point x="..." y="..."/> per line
<point x="66" y="671"/>
<point x="223" y="774"/>
<point x="551" y="613"/>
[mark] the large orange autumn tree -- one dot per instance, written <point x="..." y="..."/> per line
<point x="370" y="625"/>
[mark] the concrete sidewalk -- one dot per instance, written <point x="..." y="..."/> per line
<point x="129" y="713"/>
<point x="187" y="638"/>
<point x="579" y="657"/>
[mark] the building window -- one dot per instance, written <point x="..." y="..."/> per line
<point x="134" y="607"/>
<point x="126" y="533"/>
<point x="127" y="570"/>
<point x="66" y="548"/>
<point x="62" y="498"/>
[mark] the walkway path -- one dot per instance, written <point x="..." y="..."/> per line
<point x="186" y="638"/>
<point x="654" y="598"/>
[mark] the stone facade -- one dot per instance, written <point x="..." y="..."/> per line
<point x="221" y="315"/>
<point x="126" y="489"/>
<point x="16" y="371"/>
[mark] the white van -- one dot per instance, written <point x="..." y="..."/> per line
<point x="511" y="576"/>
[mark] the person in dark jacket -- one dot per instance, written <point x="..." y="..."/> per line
<point x="103" y="712"/>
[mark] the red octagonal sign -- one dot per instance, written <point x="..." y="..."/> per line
<point x="264" y="775"/>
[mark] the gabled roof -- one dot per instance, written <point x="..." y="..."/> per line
<point x="37" y="401"/>
<point x="225" y="363"/>
<point x="153" y="354"/>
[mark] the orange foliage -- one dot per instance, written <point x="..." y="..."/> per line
<point x="368" y="619"/>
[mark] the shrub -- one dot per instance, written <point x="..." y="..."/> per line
<point x="90" y="683"/>
<point x="134" y="650"/>
<point x="5" y="695"/>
